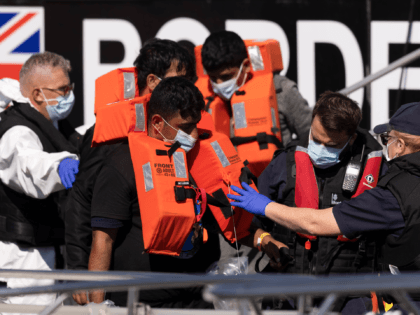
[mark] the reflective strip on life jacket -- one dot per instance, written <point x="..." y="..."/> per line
<point x="215" y="165"/>
<point x="306" y="187"/>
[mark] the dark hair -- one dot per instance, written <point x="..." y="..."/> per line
<point x="173" y="95"/>
<point x="337" y="113"/>
<point x="157" y="56"/>
<point x="223" y="50"/>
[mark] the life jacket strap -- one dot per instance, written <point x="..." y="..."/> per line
<point x="262" y="138"/>
<point x="331" y="255"/>
<point x="209" y="100"/>
<point x="183" y="191"/>
<point x="219" y="199"/>
<point x="247" y="176"/>
<point x="175" y="146"/>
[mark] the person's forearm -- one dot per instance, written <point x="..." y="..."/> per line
<point x="269" y="245"/>
<point x="303" y="220"/>
<point x="99" y="260"/>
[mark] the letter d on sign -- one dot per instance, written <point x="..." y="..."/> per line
<point x="95" y="31"/>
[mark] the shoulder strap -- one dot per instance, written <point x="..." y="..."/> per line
<point x="262" y="138"/>
<point x="306" y="187"/>
<point x="209" y="100"/>
<point x="289" y="189"/>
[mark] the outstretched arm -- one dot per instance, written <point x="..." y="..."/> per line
<point x="303" y="220"/>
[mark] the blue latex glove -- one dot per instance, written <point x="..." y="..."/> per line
<point x="67" y="170"/>
<point x="249" y="199"/>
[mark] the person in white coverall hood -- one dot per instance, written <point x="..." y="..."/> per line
<point x="36" y="161"/>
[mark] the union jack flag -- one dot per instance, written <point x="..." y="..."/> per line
<point x="21" y="35"/>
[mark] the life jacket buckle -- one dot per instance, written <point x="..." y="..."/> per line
<point x="183" y="190"/>
<point x="180" y="193"/>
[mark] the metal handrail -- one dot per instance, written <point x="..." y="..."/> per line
<point x="396" y="64"/>
<point x="332" y="287"/>
<point x="345" y="284"/>
<point x="242" y="287"/>
<point x="102" y="309"/>
<point x="76" y="275"/>
<point x="158" y="281"/>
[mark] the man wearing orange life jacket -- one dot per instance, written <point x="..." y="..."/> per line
<point x="335" y="162"/>
<point x="225" y="59"/>
<point x="173" y="113"/>
<point x="158" y="59"/>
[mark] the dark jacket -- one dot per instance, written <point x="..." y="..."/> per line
<point x="25" y="220"/>
<point x="403" y="180"/>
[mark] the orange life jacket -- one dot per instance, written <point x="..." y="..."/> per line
<point x="306" y="187"/>
<point x="119" y="109"/>
<point x="166" y="218"/>
<point x="253" y="107"/>
<point x="163" y="188"/>
<point x="215" y="166"/>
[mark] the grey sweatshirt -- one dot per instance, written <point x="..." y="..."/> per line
<point x="294" y="112"/>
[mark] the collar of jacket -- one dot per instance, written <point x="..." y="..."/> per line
<point x="409" y="162"/>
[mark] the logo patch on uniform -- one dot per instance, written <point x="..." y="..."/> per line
<point x="370" y="179"/>
<point x="334" y="199"/>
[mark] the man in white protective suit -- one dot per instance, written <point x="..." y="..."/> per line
<point x="36" y="162"/>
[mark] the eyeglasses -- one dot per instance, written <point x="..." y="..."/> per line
<point x="385" y="138"/>
<point x="63" y="90"/>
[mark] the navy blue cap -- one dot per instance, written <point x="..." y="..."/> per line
<point x="406" y="119"/>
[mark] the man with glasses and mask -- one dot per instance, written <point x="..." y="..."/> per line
<point x="36" y="162"/>
<point x="389" y="213"/>
<point x="332" y="164"/>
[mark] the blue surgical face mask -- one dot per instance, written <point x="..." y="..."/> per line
<point x="324" y="157"/>
<point x="226" y="89"/>
<point x="187" y="142"/>
<point x="63" y="107"/>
